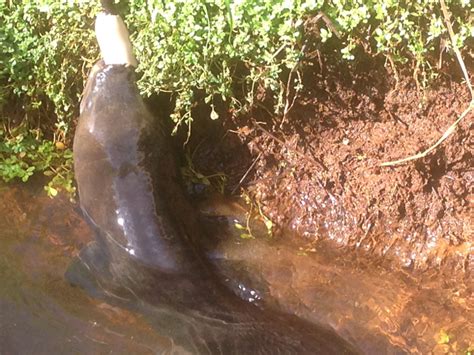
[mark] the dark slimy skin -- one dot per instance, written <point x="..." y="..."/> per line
<point x="122" y="165"/>
<point x="146" y="257"/>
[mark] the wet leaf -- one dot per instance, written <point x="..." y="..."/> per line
<point x="268" y="224"/>
<point x="60" y="145"/>
<point x="52" y="191"/>
<point x="246" y="236"/>
<point x="442" y="337"/>
<point x="214" y="115"/>
<point x="239" y="226"/>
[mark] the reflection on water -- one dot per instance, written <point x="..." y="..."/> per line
<point x="39" y="311"/>
<point x="378" y="310"/>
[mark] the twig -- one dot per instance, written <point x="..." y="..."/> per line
<point x="447" y="18"/>
<point x="446" y="134"/>
<point x="247" y="172"/>
<point x="288" y="105"/>
<point x="321" y="15"/>
<point x="451" y="128"/>
<point x="395" y="72"/>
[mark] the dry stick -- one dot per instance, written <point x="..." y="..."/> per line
<point x="328" y="22"/>
<point x="288" y="106"/>
<point x="395" y="72"/>
<point x="246" y="173"/>
<point x="447" y="18"/>
<point x="451" y="128"/>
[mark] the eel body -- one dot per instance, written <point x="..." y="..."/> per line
<point x="146" y="256"/>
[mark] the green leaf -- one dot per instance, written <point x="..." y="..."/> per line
<point x="52" y="191"/>
<point x="246" y="236"/>
<point x="443" y="337"/>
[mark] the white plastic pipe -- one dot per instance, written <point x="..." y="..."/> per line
<point x="114" y="40"/>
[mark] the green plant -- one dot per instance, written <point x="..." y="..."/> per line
<point x="225" y="53"/>
<point x="217" y="49"/>
<point x="406" y="32"/>
<point x="255" y="219"/>
<point x="44" y="46"/>
<point x="25" y="153"/>
<point x="192" y="176"/>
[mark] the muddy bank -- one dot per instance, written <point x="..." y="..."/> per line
<point x="378" y="310"/>
<point x="317" y="171"/>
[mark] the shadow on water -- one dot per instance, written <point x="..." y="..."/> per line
<point x="39" y="310"/>
<point x="380" y="311"/>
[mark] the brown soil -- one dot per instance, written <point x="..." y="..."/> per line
<point x="317" y="172"/>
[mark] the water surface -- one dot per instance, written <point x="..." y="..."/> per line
<point x="378" y="310"/>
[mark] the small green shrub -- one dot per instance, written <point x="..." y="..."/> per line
<point x="218" y="51"/>
<point x="409" y="33"/>
<point x="46" y="48"/>
<point x="26" y="153"/>
<point x="187" y="46"/>
<point x="212" y="47"/>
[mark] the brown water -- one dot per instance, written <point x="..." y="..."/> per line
<point x="378" y="310"/>
<point x="39" y="311"/>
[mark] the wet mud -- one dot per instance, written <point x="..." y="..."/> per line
<point x="379" y="310"/>
<point x="317" y="171"/>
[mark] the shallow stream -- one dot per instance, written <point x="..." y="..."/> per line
<point x="378" y="310"/>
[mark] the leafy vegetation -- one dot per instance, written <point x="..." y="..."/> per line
<point x="219" y="52"/>
<point x="25" y="153"/>
<point x="254" y="219"/>
<point x="46" y="47"/>
<point x="194" y="178"/>
<point x="409" y="33"/>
